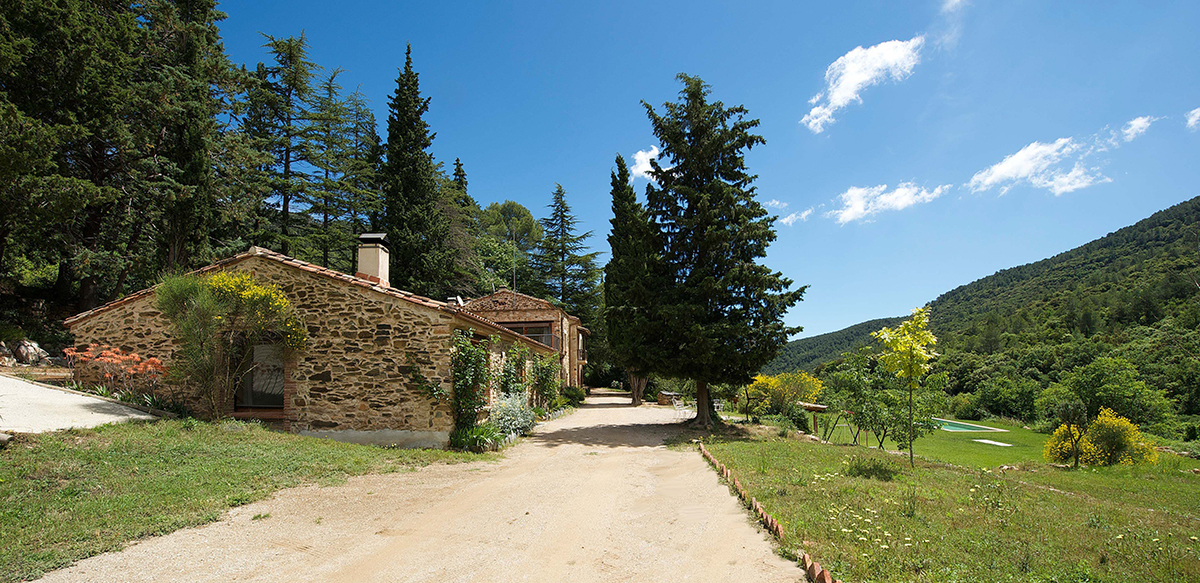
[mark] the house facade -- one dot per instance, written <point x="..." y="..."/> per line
<point x="542" y="321"/>
<point x="353" y="381"/>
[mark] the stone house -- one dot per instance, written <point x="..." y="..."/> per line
<point x="542" y="321"/>
<point x="353" y="381"/>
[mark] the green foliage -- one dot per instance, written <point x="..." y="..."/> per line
<point x="511" y="414"/>
<point x="211" y="318"/>
<point x="417" y="226"/>
<point x="570" y="275"/>
<point x="574" y="395"/>
<point x="1007" y="397"/>
<point x="1114" y="383"/>
<point x="966" y="406"/>
<point x="427" y="387"/>
<point x="809" y="353"/>
<point x="907" y="351"/>
<point x="470" y="371"/>
<point x="512" y="374"/>
<point x="721" y="310"/>
<point x="879" y="468"/>
<point x="546" y="379"/>
<point x="478" y="439"/>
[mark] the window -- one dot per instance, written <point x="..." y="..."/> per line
<point x="262" y="385"/>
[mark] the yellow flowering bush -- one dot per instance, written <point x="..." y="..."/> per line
<point x="1116" y="440"/>
<point x="258" y="306"/>
<point x="1109" y="440"/>
<point x="775" y="394"/>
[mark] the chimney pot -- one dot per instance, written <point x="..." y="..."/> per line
<point x="373" y="258"/>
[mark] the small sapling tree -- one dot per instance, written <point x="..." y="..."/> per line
<point x="907" y="352"/>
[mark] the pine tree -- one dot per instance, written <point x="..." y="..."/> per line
<point x="416" y="225"/>
<point x="510" y="236"/>
<point x="460" y="176"/>
<point x="722" y="311"/>
<point x="362" y="169"/>
<point x="288" y="128"/>
<point x="569" y="276"/>
<point x="629" y="292"/>
<point x="327" y="200"/>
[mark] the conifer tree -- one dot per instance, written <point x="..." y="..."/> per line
<point x="569" y="276"/>
<point x="722" y="312"/>
<point x="416" y="225"/>
<point x="460" y="175"/>
<point x="362" y="169"/>
<point x="628" y="287"/>
<point x="286" y="124"/>
<point x="327" y="199"/>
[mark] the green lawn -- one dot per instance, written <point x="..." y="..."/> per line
<point x="959" y="447"/>
<point x="958" y="522"/>
<point x="69" y="495"/>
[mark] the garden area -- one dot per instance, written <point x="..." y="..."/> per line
<point x="868" y="516"/>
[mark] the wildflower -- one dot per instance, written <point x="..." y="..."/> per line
<point x="908" y="544"/>
<point x="1154" y="540"/>
<point x="1195" y="539"/>
<point x="883" y="546"/>
<point x="1121" y="536"/>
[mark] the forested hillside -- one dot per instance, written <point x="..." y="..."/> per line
<point x="1124" y="309"/>
<point x="807" y="353"/>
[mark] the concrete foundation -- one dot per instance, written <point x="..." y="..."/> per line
<point x="401" y="438"/>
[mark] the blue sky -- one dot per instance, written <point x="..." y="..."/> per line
<point x="911" y="146"/>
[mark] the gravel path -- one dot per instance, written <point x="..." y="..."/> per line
<point x="592" y="496"/>
<point x="26" y="407"/>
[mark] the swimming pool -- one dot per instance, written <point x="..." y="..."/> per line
<point x="949" y="425"/>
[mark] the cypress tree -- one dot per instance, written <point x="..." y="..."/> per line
<point x="332" y="129"/>
<point x="569" y="276"/>
<point x="416" y="226"/>
<point x="629" y="291"/>
<point x="722" y="311"/>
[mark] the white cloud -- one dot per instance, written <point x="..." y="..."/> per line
<point x="641" y="163"/>
<point x="858" y="69"/>
<point x="859" y="203"/>
<point x="800" y="216"/>
<point x="1137" y="126"/>
<point x="1193" y="119"/>
<point x="775" y="204"/>
<point x="952" y="5"/>
<point x="1036" y="164"/>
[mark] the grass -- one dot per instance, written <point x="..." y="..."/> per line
<point x="69" y="495"/>
<point x="959" y="522"/>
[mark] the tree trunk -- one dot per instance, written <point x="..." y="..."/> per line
<point x="637" y="387"/>
<point x="704" y="417"/>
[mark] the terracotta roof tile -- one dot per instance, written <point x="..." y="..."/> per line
<point x="326" y="272"/>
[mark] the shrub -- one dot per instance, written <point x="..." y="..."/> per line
<point x="574" y="395"/>
<point x="479" y="438"/>
<point x="965" y="406"/>
<point x="211" y="317"/>
<point x="512" y="375"/>
<point x="1068" y="443"/>
<point x="1191" y="432"/>
<point x="1048" y="401"/>
<point x="469" y="368"/>
<point x="1005" y="397"/>
<point x="546" y="381"/>
<point x="512" y="414"/>
<point x="1116" y="440"/>
<point x="872" y="467"/>
<point x="798" y="416"/>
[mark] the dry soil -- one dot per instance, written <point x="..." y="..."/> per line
<point x="593" y="496"/>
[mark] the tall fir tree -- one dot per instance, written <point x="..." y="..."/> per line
<point x="460" y="176"/>
<point x="327" y="199"/>
<point x="362" y="169"/>
<point x="288" y="130"/>
<point x="414" y="219"/>
<point x="629" y="287"/>
<point x="722" y="311"/>
<point x="569" y="275"/>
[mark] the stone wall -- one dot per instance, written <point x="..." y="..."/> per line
<point x="353" y="376"/>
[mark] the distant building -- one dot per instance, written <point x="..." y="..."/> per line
<point x="542" y="321"/>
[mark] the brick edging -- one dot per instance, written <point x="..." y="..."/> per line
<point x="812" y="569"/>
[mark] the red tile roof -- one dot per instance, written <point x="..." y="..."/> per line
<point x="326" y="272"/>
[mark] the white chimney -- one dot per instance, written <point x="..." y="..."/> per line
<point x="373" y="258"/>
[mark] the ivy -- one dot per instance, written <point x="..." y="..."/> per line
<point x="429" y="388"/>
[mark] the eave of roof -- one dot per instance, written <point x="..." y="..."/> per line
<point x="326" y="272"/>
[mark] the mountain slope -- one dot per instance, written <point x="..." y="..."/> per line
<point x="807" y="353"/>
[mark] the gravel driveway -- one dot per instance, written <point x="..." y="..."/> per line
<point x="592" y="496"/>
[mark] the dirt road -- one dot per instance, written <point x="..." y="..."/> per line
<point x="593" y="496"/>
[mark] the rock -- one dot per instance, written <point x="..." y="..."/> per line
<point x="4" y="439"/>
<point x="8" y="361"/>
<point x="28" y="352"/>
<point x="58" y="361"/>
